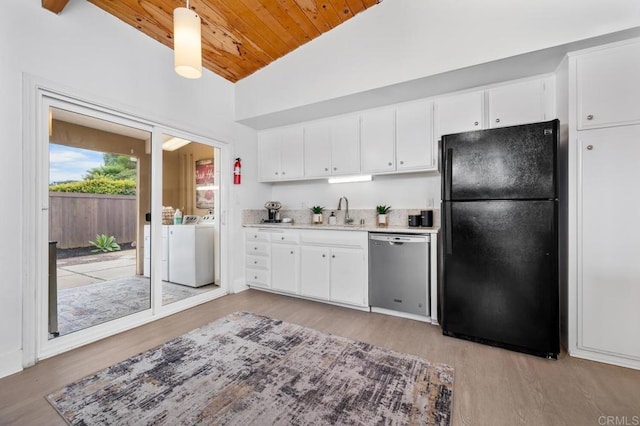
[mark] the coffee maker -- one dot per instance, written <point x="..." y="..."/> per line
<point x="273" y="207"/>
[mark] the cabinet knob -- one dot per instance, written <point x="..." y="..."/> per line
<point x="390" y="163"/>
<point x="255" y="248"/>
<point x="255" y="277"/>
<point x="282" y="238"/>
<point x="590" y="117"/>
<point x="475" y="123"/>
<point x="333" y="256"/>
<point x="283" y="173"/>
<point x="401" y="162"/>
<point x="326" y="169"/>
<point x="335" y="168"/>
<point x="276" y="173"/>
<point x="589" y="147"/>
<point x="497" y="120"/>
<point x="291" y="251"/>
<point x="255" y="262"/>
<point x="324" y="255"/>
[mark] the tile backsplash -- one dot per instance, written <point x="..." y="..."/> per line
<point x="396" y="217"/>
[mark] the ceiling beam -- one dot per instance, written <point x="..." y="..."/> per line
<point x="54" y="6"/>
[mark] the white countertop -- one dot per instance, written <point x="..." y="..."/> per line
<point x="364" y="228"/>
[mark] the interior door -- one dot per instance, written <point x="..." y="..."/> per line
<point x="609" y="253"/>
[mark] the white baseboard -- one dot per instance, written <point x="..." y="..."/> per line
<point x="604" y="358"/>
<point x="239" y="285"/>
<point x="10" y="363"/>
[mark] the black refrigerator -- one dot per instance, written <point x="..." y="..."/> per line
<point x="500" y="237"/>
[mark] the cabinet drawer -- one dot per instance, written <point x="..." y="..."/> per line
<point x="258" y="248"/>
<point x="260" y="262"/>
<point x="257" y="277"/>
<point x="285" y="237"/>
<point x="257" y="236"/>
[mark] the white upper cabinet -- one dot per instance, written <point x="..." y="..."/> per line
<point x="280" y="154"/>
<point x="378" y="140"/>
<point x="332" y="147"/>
<point x="414" y="136"/>
<point x="345" y="145"/>
<point x="460" y="113"/>
<point x="519" y="103"/>
<point x="607" y="89"/>
<point x="317" y="149"/>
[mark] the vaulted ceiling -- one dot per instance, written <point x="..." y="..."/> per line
<point x="238" y="36"/>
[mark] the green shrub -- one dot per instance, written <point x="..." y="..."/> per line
<point x="100" y="185"/>
<point x="104" y="244"/>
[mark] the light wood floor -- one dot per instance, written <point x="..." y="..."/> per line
<point x="492" y="386"/>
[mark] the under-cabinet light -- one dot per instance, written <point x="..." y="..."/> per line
<point x="348" y="179"/>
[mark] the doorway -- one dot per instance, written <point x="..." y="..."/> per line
<point x="57" y="120"/>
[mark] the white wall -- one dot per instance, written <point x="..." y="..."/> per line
<point x="402" y="40"/>
<point x="95" y="54"/>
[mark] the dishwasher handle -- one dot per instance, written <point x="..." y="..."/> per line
<point x="399" y="239"/>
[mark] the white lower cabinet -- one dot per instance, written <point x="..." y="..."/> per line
<point x="347" y="270"/>
<point x="608" y="317"/>
<point x="315" y="271"/>
<point x="258" y="258"/>
<point x="284" y="267"/>
<point x="323" y="265"/>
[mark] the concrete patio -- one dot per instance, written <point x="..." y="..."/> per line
<point x="79" y="271"/>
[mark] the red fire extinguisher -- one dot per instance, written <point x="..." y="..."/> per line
<point x="237" y="177"/>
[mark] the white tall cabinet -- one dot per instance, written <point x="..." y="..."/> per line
<point x="604" y="204"/>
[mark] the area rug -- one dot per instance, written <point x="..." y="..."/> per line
<point x="92" y="304"/>
<point x="246" y="369"/>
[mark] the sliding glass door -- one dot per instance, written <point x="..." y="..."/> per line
<point x="129" y="225"/>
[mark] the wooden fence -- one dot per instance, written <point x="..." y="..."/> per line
<point x="75" y="219"/>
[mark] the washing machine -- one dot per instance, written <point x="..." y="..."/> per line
<point x="191" y="252"/>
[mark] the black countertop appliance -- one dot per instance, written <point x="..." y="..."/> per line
<point x="500" y="237"/>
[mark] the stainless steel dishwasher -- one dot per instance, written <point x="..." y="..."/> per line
<point x="399" y="272"/>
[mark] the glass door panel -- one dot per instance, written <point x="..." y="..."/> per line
<point x="190" y="219"/>
<point x="99" y="202"/>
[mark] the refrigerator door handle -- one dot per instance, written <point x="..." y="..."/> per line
<point x="447" y="170"/>
<point x="447" y="229"/>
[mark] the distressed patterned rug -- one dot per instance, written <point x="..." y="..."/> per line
<point x="246" y="369"/>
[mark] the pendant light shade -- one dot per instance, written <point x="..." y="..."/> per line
<point x="187" y="45"/>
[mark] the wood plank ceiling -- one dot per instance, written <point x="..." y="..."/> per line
<point x="240" y="36"/>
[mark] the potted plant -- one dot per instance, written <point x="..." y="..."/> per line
<point x="317" y="214"/>
<point x="382" y="211"/>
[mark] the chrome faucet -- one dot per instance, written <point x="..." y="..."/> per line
<point x="347" y="220"/>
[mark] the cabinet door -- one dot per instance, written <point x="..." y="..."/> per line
<point x="609" y="290"/>
<point x="414" y="136"/>
<point x="292" y="153"/>
<point x="460" y="113"/>
<point x="378" y="140"/>
<point x="269" y="155"/>
<point x="314" y="272"/>
<point x="317" y="149"/>
<point x="608" y="87"/>
<point x="518" y="103"/>
<point x="284" y="267"/>
<point x="345" y="145"/>
<point x="347" y="276"/>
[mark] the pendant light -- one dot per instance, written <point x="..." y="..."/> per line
<point x="187" y="45"/>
